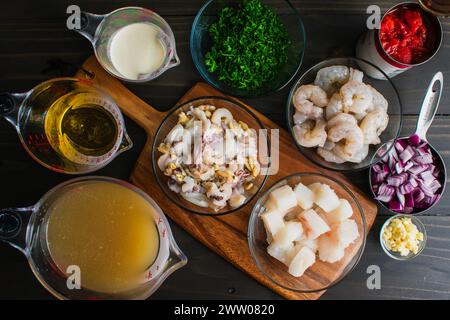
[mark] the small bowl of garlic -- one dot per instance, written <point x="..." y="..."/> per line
<point x="403" y="237"/>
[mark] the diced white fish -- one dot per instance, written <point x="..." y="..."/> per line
<point x="346" y="232"/>
<point x="342" y="212"/>
<point x="273" y="222"/>
<point x="305" y="197"/>
<point x="313" y="224"/>
<point x="292" y="231"/>
<point x="330" y="250"/>
<point x="325" y="197"/>
<point x="284" y="198"/>
<point x="282" y="254"/>
<point x="304" y="259"/>
<point x="312" y="244"/>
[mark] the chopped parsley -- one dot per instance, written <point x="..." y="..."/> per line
<point x="249" y="45"/>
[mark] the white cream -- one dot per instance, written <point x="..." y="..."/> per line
<point x="136" y="49"/>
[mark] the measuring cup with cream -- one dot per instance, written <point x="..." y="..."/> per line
<point x="133" y="44"/>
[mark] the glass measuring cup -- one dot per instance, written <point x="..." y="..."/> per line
<point x="36" y="115"/>
<point x="26" y="229"/>
<point x="100" y="29"/>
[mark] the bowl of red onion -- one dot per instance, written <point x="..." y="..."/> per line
<point x="410" y="178"/>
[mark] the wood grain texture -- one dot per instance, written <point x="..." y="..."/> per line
<point x="225" y="235"/>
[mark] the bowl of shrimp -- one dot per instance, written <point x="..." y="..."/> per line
<point x="339" y="117"/>
<point x="209" y="156"/>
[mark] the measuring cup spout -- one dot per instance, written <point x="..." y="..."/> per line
<point x="175" y="61"/>
<point x="9" y="106"/>
<point x="430" y="105"/>
<point x="177" y="259"/>
<point x="126" y="144"/>
<point x="13" y="227"/>
<point x="89" y="25"/>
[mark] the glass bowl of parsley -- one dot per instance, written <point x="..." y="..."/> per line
<point x="247" y="48"/>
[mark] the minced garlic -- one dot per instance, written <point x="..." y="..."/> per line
<point x="401" y="235"/>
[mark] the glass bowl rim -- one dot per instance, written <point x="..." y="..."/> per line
<point x="204" y="74"/>
<point x="170" y="195"/>
<point x="414" y="220"/>
<point x="290" y="121"/>
<point x="254" y="215"/>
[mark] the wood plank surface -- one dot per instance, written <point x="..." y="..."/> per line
<point x="33" y="31"/>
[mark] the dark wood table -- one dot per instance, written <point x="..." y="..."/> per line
<point x="34" y="32"/>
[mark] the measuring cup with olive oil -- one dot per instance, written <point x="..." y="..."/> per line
<point x="67" y="125"/>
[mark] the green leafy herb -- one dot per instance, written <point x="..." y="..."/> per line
<point x="250" y="45"/>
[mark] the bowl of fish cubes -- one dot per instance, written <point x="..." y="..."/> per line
<point x="307" y="232"/>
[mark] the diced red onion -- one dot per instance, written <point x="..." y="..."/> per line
<point x="395" y="205"/>
<point x="409" y="200"/>
<point x="406" y="178"/>
<point x="424" y="159"/>
<point x="418" y="195"/>
<point x="415" y="170"/>
<point x="414" y="140"/>
<point x="407" y="154"/>
<point x="400" y="197"/>
<point x="413" y="181"/>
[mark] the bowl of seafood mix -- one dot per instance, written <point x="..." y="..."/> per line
<point x="247" y="48"/>
<point x="307" y="232"/>
<point x="209" y="156"/>
<point x="339" y="117"/>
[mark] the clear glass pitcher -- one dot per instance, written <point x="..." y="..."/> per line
<point x="26" y="229"/>
<point x="100" y="29"/>
<point x="67" y="125"/>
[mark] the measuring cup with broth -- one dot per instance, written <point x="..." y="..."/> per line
<point x="67" y="125"/>
<point x="131" y="43"/>
<point x="95" y="238"/>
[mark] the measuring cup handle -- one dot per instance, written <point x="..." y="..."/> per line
<point x="89" y="25"/>
<point x="9" y="106"/>
<point x="13" y="226"/>
<point x="430" y="105"/>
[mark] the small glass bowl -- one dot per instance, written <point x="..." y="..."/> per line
<point x="240" y="113"/>
<point x="385" y="87"/>
<point x="200" y="44"/>
<point x="321" y="275"/>
<point x="396" y="255"/>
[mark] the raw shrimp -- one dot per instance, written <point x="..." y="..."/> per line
<point x="356" y="75"/>
<point x="309" y="100"/>
<point x="356" y="97"/>
<point x="310" y="134"/>
<point x="340" y="118"/>
<point x="351" y="134"/>
<point x="373" y="125"/>
<point x="357" y="157"/>
<point x="378" y="100"/>
<point x="360" y="155"/>
<point x="329" y="155"/>
<point x="329" y="145"/>
<point x="334" y="106"/>
<point x="299" y="117"/>
<point x="332" y="78"/>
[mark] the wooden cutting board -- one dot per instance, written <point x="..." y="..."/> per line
<point x="225" y="235"/>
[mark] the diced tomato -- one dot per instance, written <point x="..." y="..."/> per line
<point x="403" y="35"/>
